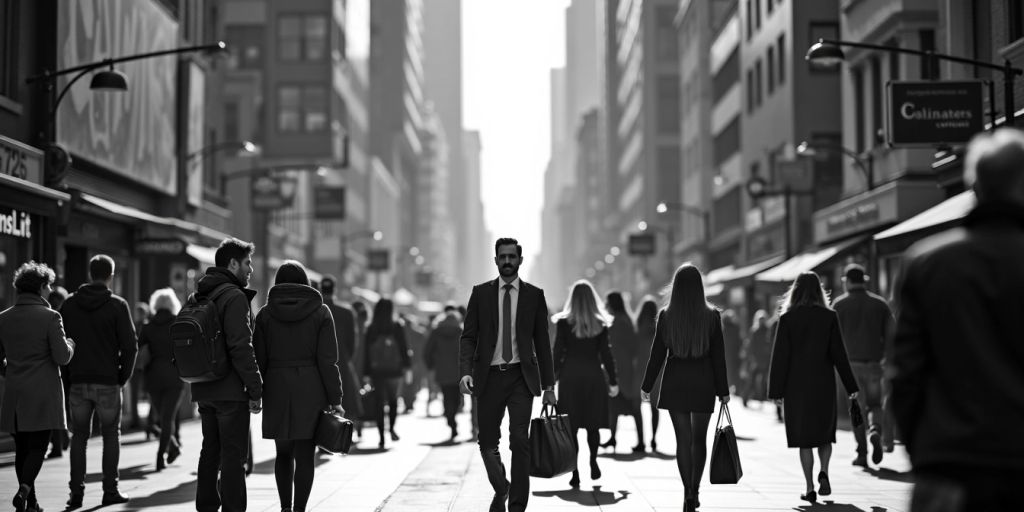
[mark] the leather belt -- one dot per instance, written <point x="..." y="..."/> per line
<point x="503" y="367"/>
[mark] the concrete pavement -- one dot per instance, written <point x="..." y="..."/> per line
<point x="423" y="472"/>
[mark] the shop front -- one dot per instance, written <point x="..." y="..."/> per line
<point x="732" y="287"/>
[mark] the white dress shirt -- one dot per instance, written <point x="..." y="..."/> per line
<point x="514" y="294"/>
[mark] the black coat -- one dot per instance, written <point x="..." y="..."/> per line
<point x="689" y="384"/>
<point x="623" y="340"/>
<point x="243" y="381"/>
<point x="441" y="354"/>
<point x="101" y="325"/>
<point x="345" y="331"/>
<point x="160" y="373"/>
<point x="582" y="366"/>
<point x="297" y="354"/>
<point x="958" y="385"/>
<point x="808" y="351"/>
<point x="375" y="333"/>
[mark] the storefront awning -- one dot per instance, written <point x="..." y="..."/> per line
<point x="787" y="271"/>
<point x="714" y="290"/>
<point x="938" y="217"/>
<point x="736" y="276"/>
<point x="368" y="295"/>
<point x="205" y="255"/>
<point x="135" y="214"/>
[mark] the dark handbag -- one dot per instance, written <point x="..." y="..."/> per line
<point x="333" y="432"/>
<point x="856" y="417"/>
<point x="370" y="399"/>
<point x="552" y="444"/>
<point x="725" y="455"/>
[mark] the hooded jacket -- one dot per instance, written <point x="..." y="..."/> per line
<point x="243" y="381"/>
<point x="100" y="323"/>
<point x="297" y="354"/>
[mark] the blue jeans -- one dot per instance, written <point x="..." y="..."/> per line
<point x="103" y="400"/>
<point x="225" y="449"/>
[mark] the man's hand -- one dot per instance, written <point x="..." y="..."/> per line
<point x="853" y="396"/>
<point x="645" y="396"/>
<point x="549" y="397"/>
<point x="466" y="385"/>
<point x="408" y="377"/>
<point x="255" y="406"/>
<point x="338" y="409"/>
<point x="724" y="399"/>
<point x="613" y="391"/>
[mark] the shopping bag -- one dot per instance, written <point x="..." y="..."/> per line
<point x="333" y="432"/>
<point x="856" y="417"/>
<point x="725" y="456"/>
<point x="552" y="444"/>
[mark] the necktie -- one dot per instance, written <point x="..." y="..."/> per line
<point x="506" y="324"/>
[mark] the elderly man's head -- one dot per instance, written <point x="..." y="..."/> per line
<point x="994" y="166"/>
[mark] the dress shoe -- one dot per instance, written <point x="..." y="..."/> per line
<point x="640" y="448"/>
<point x="172" y="453"/>
<point x="75" y="501"/>
<point x="689" y="505"/>
<point x="654" y="445"/>
<point x="54" y="454"/>
<point x="861" y="460"/>
<point x="595" y="470"/>
<point x="394" y="436"/>
<point x="824" y="486"/>
<point x="574" y="482"/>
<point x="876" y="447"/>
<point x="21" y="497"/>
<point x="160" y="464"/>
<point x="498" y="501"/>
<point x="611" y="443"/>
<point x="113" y="498"/>
<point x="811" y="497"/>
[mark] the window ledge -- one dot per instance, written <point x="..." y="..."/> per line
<point x="11" y="105"/>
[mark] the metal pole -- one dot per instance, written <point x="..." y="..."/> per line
<point x="1008" y="74"/>
<point x="786" y="193"/>
<point x="992" y="103"/>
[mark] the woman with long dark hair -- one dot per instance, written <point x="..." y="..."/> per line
<point x="297" y="352"/>
<point x="646" y="326"/>
<point x="688" y="342"/>
<point x="623" y="340"/>
<point x="581" y="348"/>
<point x="386" y="359"/>
<point x="808" y="350"/>
<point x="156" y="356"/>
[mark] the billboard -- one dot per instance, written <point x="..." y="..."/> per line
<point x="196" y="130"/>
<point x="132" y="133"/>
<point x="930" y="113"/>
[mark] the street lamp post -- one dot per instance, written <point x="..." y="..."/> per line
<point x="865" y="165"/>
<point x="106" y="80"/>
<point x="705" y="217"/>
<point x="757" y="188"/>
<point x="827" y="52"/>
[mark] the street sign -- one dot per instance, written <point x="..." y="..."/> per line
<point x="272" y="193"/>
<point x="642" y="244"/>
<point x="931" y="113"/>
<point x="378" y="260"/>
<point x="795" y="174"/>
<point x="330" y="202"/>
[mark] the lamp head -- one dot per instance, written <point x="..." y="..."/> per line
<point x="642" y="225"/>
<point x="805" y="149"/>
<point x="378" y="235"/>
<point x="109" y="80"/>
<point x="249" y="149"/>
<point x="825" y="54"/>
<point x="757" y="187"/>
<point x="662" y="207"/>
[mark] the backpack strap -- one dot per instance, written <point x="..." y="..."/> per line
<point x="218" y="291"/>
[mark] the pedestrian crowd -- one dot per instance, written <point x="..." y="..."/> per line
<point x="934" y="374"/>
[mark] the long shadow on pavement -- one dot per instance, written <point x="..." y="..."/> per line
<point x="183" y="493"/>
<point x="129" y="473"/>
<point x="831" y="506"/>
<point x="587" y="498"/>
<point x="889" y="474"/>
<point x="267" y="467"/>
<point x="630" y="457"/>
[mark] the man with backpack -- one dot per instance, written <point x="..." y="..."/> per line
<point x="227" y="389"/>
<point x="100" y="322"/>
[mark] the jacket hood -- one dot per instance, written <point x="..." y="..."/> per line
<point x="292" y="302"/>
<point x="216" y="276"/>
<point x="92" y="296"/>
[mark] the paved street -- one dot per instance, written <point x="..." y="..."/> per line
<point x="422" y="473"/>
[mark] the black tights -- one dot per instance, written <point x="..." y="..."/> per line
<point x="388" y="395"/>
<point x="638" y="421"/>
<point x="691" y="447"/>
<point x="29" y="451"/>
<point x="294" y="465"/>
<point x="593" y="440"/>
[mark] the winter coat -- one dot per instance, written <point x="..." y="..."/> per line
<point x="33" y="344"/>
<point x="101" y="325"/>
<point x="243" y="381"/>
<point x="297" y="353"/>
<point x="345" y="331"/>
<point x="160" y="373"/>
<point x="623" y="339"/>
<point x="373" y="335"/>
<point x="441" y="354"/>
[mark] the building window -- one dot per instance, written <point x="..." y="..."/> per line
<point x="728" y="75"/>
<point x="750" y="90"/>
<point x="771" y="68"/>
<point x="668" y="104"/>
<point x="231" y="121"/>
<point x="9" y="49"/>
<point x="750" y="20"/>
<point x="302" y="37"/>
<point x="301" y="108"/>
<point x="877" y="90"/>
<point x="929" y="66"/>
<point x="246" y="43"/>
<point x="857" y="76"/>
<point x="1015" y="19"/>
<point x="780" y="45"/>
<point x="757" y="14"/>
<point x="758" y="83"/>
<point x="726" y="143"/>
<point x="981" y="23"/>
<point x="668" y="41"/>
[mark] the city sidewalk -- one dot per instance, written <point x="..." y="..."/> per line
<point x="424" y="473"/>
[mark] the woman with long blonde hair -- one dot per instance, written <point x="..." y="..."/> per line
<point x="808" y="350"/>
<point x="581" y="350"/>
<point x="688" y="342"/>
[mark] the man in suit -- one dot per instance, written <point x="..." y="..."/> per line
<point x="505" y="361"/>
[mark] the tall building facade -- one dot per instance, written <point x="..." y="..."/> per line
<point x="479" y="245"/>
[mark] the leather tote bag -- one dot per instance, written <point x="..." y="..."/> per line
<point x="725" y="456"/>
<point x="552" y="444"/>
<point x="333" y="432"/>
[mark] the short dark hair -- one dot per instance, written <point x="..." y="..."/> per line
<point x="327" y="284"/>
<point x="232" y="249"/>
<point x="508" y="241"/>
<point x="101" y="267"/>
<point x="292" y="272"/>
<point x="31" y="276"/>
<point x="855" y="274"/>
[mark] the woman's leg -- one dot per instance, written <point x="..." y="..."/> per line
<point x="169" y="404"/>
<point x="31" y="446"/>
<point x="614" y="426"/>
<point x="699" y="446"/>
<point x="655" y="418"/>
<point x="825" y="455"/>
<point x="575" y="480"/>
<point x="284" y="471"/>
<point x="807" y="462"/>
<point x="393" y="406"/>
<point x="157" y="397"/>
<point x="638" y="421"/>
<point x="304" y="451"/>
<point x="593" y="438"/>
<point x="684" y="448"/>
<point x="380" y="387"/>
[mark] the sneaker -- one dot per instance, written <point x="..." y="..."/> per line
<point x="113" y="498"/>
<point x="861" y="460"/>
<point x="876" y="447"/>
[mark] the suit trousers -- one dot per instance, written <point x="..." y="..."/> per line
<point x="506" y="390"/>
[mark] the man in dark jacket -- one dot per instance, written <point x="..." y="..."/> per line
<point x="225" y="404"/>
<point x="866" y="322"/>
<point x="101" y="325"/>
<point x="345" y="331"/>
<point x="958" y="376"/>
<point x="441" y="356"/>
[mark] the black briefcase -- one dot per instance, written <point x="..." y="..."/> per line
<point x="333" y="433"/>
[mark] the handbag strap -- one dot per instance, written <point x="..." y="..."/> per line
<point x="723" y="409"/>
<point x="545" y="410"/>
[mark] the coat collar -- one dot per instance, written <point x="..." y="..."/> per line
<point x="31" y="299"/>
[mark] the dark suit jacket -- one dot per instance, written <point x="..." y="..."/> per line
<point x="480" y="336"/>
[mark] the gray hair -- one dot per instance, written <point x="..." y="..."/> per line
<point x="165" y="298"/>
<point x="994" y="165"/>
